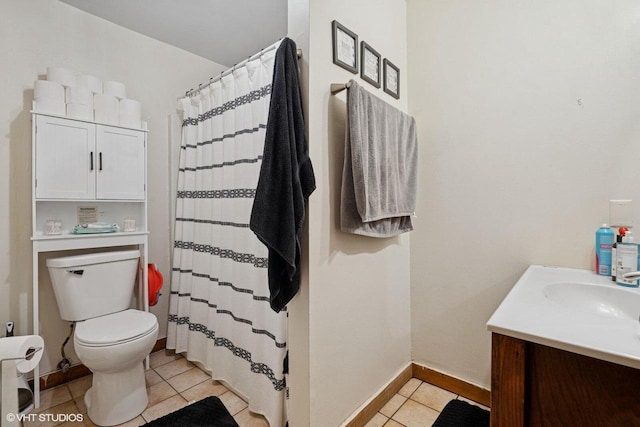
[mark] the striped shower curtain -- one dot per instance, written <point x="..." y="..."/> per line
<point x="219" y="312"/>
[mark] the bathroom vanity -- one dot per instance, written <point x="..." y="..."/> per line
<point x="566" y="352"/>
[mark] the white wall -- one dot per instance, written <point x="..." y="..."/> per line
<point x="528" y="125"/>
<point x="298" y="408"/>
<point x="40" y="33"/>
<point x="358" y="289"/>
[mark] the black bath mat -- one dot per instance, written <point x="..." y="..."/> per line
<point x="459" y="413"/>
<point x="208" y="412"/>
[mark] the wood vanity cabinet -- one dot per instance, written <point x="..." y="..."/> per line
<point x="539" y="386"/>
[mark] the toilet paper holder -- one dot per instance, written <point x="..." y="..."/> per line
<point x="28" y="356"/>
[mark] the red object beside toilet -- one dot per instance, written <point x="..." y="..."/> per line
<point x="155" y="284"/>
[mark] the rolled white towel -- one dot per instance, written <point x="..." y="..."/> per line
<point x="79" y="95"/>
<point x="113" y="88"/>
<point x="92" y="83"/>
<point x="130" y="106"/>
<point x="130" y="113"/>
<point x="50" y="90"/>
<point x="65" y="77"/>
<point x="79" y="111"/>
<point x="50" y="106"/>
<point x="105" y="108"/>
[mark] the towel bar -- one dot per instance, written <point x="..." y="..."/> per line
<point x="339" y="87"/>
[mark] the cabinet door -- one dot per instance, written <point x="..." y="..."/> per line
<point x="65" y="159"/>
<point x="120" y="164"/>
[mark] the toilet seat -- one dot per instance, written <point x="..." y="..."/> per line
<point x="115" y="328"/>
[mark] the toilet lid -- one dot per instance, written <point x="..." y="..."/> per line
<point x="115" y="328"/>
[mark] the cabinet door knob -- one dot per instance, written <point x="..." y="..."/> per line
<point x="91" y="161"/>
<point x="100" y="161"/>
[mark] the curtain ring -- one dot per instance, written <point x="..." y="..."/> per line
<point x="210" y="80"/>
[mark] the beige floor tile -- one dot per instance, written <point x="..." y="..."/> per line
<point x="432" y="396"/>
<point x="86" y="422"/>
<point x="163" y="408"/>
<point x="204" y="389"/>
<point x="54" y="396"/>
<point x="159" y="392"/>
<point x="414" y="414"/>
<point x="246" y="418"/>
<point x="136" y="422"/>
<point x="151" y="377"/>
<point x="188" y="379"/>
<point x="392" y="423"/>
<point x="53" y="416"/>
<point x="82" y="408"/>
<point x="162" y="357"/>
<point x="80" y="386"/>
<point x="392" y="405"/>
<point x="174" y="368"/>
<point x="409" y="387"/>
<point x="473" y="403"/>
<point x="232" y="402"/>
<point x="377" y="421"/>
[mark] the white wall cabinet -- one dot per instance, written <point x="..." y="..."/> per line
<point x="84" y="160"/>
<point x="65" y="158"/>
<point x="120" y="163"/>
<point x="78" y="163"/>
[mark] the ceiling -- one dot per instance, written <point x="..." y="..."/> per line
<point x="224" y="31"/>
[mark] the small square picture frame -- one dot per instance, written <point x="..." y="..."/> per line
<point x="391" y="78"/>
<point x="345" y="47"/>
<point x="370" y="64"/>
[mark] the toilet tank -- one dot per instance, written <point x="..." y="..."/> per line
<point x="93" y="285"/>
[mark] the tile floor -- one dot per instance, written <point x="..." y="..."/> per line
<point x="174" y="382"/>
<point x="416" y="404"/>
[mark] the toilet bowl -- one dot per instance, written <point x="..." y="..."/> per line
<point x="112" y="340"/>
<point x="114" y="347"/>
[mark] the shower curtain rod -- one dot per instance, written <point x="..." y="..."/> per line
<point x="192" y="92"/>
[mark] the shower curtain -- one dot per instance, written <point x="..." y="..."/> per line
<point x="219" y="311"/>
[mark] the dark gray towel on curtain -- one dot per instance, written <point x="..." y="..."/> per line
<point x="286" y="179"/>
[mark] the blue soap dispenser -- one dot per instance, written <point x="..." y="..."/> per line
<point x="604" y="242"/>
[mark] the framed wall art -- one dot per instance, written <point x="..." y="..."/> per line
<point x="391" y="79"/>
<point x="345" y="47"/>
<point x="370" y="61"/>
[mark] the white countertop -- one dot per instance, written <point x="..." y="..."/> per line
<point x="531" y="313"/>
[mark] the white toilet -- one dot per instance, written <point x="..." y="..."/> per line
<point x="96" y="290"/>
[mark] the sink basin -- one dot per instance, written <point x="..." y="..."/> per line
<point x="596" y="299"/>
<point x="573" y="310"/>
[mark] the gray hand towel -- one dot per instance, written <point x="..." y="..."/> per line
<point x="379" y="177"/>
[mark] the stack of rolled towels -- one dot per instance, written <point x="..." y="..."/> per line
<point x="86" y="97"/>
